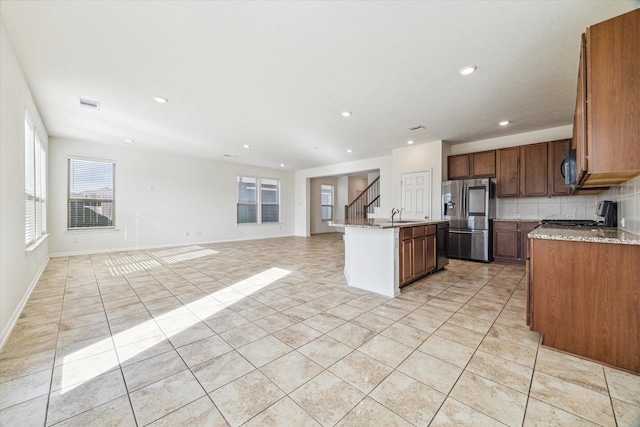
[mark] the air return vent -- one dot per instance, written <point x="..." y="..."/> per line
<point x="419" y="127"/>
<point x="87" y="103"/>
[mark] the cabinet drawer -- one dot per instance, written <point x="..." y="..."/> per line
<point x="406" y="233"/>
<point x="505" y="225"/>
<point x="431" y="230"/>
<point x="418" y="231"/>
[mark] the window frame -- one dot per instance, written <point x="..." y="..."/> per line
<point x="322" y="205"/>
<point x="112" y="200"/>
<point x="35" y="185"/>
<point x="259" y="199"/>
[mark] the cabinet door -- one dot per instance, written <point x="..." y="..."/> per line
<point x="419" y="256"/>
<point x="533" y="170"/>
<point x="613" y="95"/>
<point x="483" y="164"/>
<point x="557" y="186"/>
<point x="505" y="240"/>
<point x="525" y="229"/>
<point x="406" y="261"/>
<point x="458" y="166"/>
<point x="529" y="292"/>
<point x="507" y="172"/>
<point x="579" y="142"/>
<point x="431" y="253"/>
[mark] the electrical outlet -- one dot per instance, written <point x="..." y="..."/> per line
<point x="198" y="233"/>
<point x="570" y="216"/>
<point x="621" y="222"/>
<point x="74" y="240"/>
<point x="516" y="215"/>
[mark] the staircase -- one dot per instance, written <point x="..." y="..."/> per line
<point x="364" y="203"/>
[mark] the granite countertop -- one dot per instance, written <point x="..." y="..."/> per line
<point x="381" y="223"/>
<point x="516" y="220"/>
<point x="586" y="234"/>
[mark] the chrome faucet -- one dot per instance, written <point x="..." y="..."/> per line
<point x="394" y="211"/>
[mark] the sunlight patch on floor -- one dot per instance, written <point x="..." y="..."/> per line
<point x="83" y="365"/>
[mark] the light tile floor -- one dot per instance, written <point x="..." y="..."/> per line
<point x="266" y="333"/>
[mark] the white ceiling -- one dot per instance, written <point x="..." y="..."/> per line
<point x="278" y="74"/>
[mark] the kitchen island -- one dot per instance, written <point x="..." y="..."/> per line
<point x="379" y="254"/>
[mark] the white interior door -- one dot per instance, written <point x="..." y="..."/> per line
<point x="416" y="195"/>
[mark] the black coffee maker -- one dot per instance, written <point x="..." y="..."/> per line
<point x="609" y="213"/>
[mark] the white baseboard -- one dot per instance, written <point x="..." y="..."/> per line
<point x="16" y="313"/>
<point x="161" y="246"/>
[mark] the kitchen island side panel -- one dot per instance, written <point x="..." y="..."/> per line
<point x="586" y="299"/>
<point x="371" y="260"/>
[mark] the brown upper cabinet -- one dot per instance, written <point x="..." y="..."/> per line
<point x="529" y="170"/>
<point x="508" y="172"/>
<point x="607" y="124"/>
<point x="534" y="173"/>
<point x="473" y="165"/>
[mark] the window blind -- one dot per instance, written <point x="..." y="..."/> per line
<point x="29" y="181"/>
<point x="326" y="195"/>
<point x="91" y="202"/>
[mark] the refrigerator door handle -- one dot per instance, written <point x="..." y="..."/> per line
<point x="465" y="231"/>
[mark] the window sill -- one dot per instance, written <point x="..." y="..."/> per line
<point x="32" y="247"/>
<point x="242" y="224"/>
<point x="92" y="229"/>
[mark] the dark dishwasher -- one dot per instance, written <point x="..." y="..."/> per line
<point x="442" y="245"/>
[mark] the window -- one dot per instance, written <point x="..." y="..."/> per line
<point x="90" y="194"/>
<point x="326" y="192"/>
<point x="270" y="200"/>
<point x="253" y="204"/>
<point x="35" y="184"/>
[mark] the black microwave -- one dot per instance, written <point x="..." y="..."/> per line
<point x="569" y="164"/>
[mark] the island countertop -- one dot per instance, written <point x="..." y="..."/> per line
<point x="381" y="223"/>
<point x="586" y="234"/>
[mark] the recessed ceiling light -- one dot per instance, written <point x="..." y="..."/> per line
<point x="349" y="150"/>
<point x="504" y="122"/>
<point x="246" y="146"/>
<point x="129" y="140"/>
<point x="160" y="99"/>
<point x="281" y="165"/>
<point x="465" y="71"/>
<point x="410" y="142"/>
<point x="346" y="113"/>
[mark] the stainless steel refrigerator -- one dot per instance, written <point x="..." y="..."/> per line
<point x="470" y="207"/>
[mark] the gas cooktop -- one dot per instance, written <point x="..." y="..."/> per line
<point x="572" y="222"/>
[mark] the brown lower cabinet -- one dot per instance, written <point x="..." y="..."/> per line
<point x="510" y="240"/>
<point x="417" y="252"/>
<point x="584" y="298"/>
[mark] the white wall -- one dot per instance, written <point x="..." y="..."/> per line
<point x="19" y="269"/>
<point x="417" y="158"/>
<point x="317" y="224"/>
<point x="303" y="178"/>
<point x="356" y="184"/>
<point x="159" y="197"/>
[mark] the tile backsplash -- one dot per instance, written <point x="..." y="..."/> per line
<point x="627" y="196"/>
<point x="537" y="208"/>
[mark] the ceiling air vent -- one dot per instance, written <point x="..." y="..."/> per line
<point x="419" y="127"/>
<point x="87" y="103"/>
<point x="308" y="146"/>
